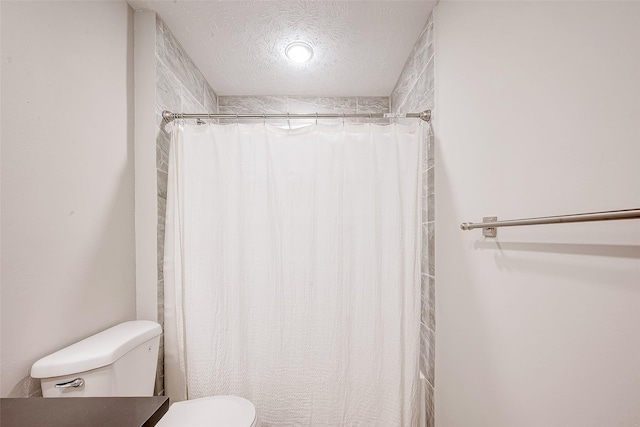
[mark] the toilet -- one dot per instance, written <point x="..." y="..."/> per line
<point x="121" y="361"/>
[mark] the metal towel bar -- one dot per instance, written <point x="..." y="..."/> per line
<point x="489" y="224"/>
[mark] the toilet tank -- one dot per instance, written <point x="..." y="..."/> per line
<point x="120" y="361"/>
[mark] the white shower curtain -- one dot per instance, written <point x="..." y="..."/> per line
<point x="292" y="270"/>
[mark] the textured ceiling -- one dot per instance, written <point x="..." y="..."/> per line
<point x="359" y="46"/>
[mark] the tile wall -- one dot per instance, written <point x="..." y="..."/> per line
<point x="414" y="92"/>
<point x="180" y="87"/>
<point x="305" y="105"/>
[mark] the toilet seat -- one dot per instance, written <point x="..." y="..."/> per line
<point x="215" y="411"/>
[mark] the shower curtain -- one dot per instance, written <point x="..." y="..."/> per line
<point x="292" y="270"/>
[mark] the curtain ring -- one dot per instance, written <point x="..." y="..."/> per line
<point x="289" y="121"/>
<point x="264" y="119"/>
<point x="316" y="118"/>
<point x="342" y="119"/>
<point x="237" y="119"/>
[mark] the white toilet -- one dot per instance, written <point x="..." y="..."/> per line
<point x="121" y="361"/>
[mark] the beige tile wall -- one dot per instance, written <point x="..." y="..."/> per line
<point x="305" y="105"/>
<point x="414" y="92"/>
<point x="180" y="87"/>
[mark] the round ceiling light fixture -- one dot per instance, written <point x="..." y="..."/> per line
<point x="299" y="52"/>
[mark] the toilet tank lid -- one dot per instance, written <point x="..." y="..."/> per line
<point x="98" y="350"/>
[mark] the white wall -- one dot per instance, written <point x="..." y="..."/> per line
<point x="68" y="261"/>
<point x="145" y="169"/>
<point x="538" y="114"/>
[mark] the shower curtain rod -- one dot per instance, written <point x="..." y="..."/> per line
<point x="425" y="115"/>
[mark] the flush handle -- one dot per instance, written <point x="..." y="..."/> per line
<point x="78" y="382"/>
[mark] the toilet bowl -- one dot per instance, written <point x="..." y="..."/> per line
<point x="121" y="361"/>
<point x="222" y="411"/>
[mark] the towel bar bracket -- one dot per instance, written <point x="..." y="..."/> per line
<point x="490" y="231"/>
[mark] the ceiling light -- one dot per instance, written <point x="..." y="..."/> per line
<point x="299" y="52"/>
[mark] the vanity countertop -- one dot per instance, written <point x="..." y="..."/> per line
<point x="82" y="411"/>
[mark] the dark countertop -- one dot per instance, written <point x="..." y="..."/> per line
<point x="82" y="411"/>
